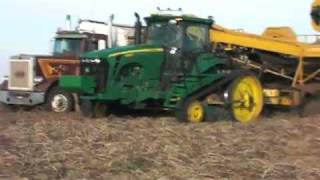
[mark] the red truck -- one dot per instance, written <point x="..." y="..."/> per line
<point x="33" y="79"/>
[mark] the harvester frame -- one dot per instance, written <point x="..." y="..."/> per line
<point x="300" y="68"/>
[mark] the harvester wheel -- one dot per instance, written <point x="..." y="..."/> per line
<point x="246" y="98"/>
<point x="93" y="109"/>
<point x="193" y="112"/>
<point x="59" y="100"/>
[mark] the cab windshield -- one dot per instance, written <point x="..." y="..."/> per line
<point x="164" y="34"/>
<point x="196" y="37"/>
<point x="189" y="36"/>
<point x="67" y="46"/>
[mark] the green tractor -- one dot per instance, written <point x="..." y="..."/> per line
<point x="175" y="70"/>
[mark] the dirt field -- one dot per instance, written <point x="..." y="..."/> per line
<point x="41" y="145"/>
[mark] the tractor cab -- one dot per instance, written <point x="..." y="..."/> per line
<point x="184" y="33"/>
<point x="183" y="38"/>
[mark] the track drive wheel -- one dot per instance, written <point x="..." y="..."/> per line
<point x="246" y="98"/>
<point x="93" y="109"/>
<point x="59" y="100"/>
<point x="193" y="112"/>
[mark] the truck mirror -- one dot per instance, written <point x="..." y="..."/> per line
<point x="172" y="22"/>
<point x="102" y="44"/>
<point x="51" y="46"/>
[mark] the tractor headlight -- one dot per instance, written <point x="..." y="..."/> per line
<point x="226" y="96"/>
<point x="84" y="60"/>
<point x="97" y="61"/>
<point x="224" y="71"/>
<point x="93" y="61"/>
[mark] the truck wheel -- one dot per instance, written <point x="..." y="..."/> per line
<point x="60" y="101"/>
<point x="246" y="98"/>
<point x="93" y="109"/>
<point x="193" y="112"/>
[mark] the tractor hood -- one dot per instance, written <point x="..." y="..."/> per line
<point x="87" y="84"/>
<point x="120" y="51"/>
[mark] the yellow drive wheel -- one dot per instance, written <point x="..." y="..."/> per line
<point x="195" y="112"/>
<point x="246" y="98"/>
<point x="191" y="111"/>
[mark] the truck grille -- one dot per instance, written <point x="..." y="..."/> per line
<point x="21" y="75"/>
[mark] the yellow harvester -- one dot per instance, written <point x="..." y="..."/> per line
<point x="288" y="65"/>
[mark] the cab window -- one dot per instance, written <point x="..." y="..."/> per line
<point x="196" y="37"/>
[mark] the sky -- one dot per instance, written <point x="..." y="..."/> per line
<point x="28" y="26"/>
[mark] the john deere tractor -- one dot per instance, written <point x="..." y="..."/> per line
<point x="174" y="69"/>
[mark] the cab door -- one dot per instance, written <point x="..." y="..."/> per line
<point x="171" y="69"/>
<point x="195" y="43"/>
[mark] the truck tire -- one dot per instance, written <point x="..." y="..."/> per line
<point x="59" y="100"/>
<point x="93" y="109"/>
<point x="193" y="112"/>
<point x="245" y="98"/>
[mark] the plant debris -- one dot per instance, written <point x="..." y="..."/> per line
<point x="42" y="145"/>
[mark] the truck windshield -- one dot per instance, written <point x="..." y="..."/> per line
<point x="164" y="34"/>
<point x="67" y="46"/>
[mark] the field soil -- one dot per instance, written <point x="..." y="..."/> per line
<point x="42" y="145"/>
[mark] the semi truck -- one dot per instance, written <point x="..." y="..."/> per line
<point x="33" y="79"/>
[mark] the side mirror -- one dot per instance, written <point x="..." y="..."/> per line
<point x="52" y="46"/>
<point x="173" y="50"/>
<point x="173" y="22"/>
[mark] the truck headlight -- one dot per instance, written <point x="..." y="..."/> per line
<point x="38" y="79"/>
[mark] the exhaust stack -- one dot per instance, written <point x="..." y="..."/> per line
<point x="110" y="37"/>
<point x="138" y="28"/>
<point x="68" y="23"/>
